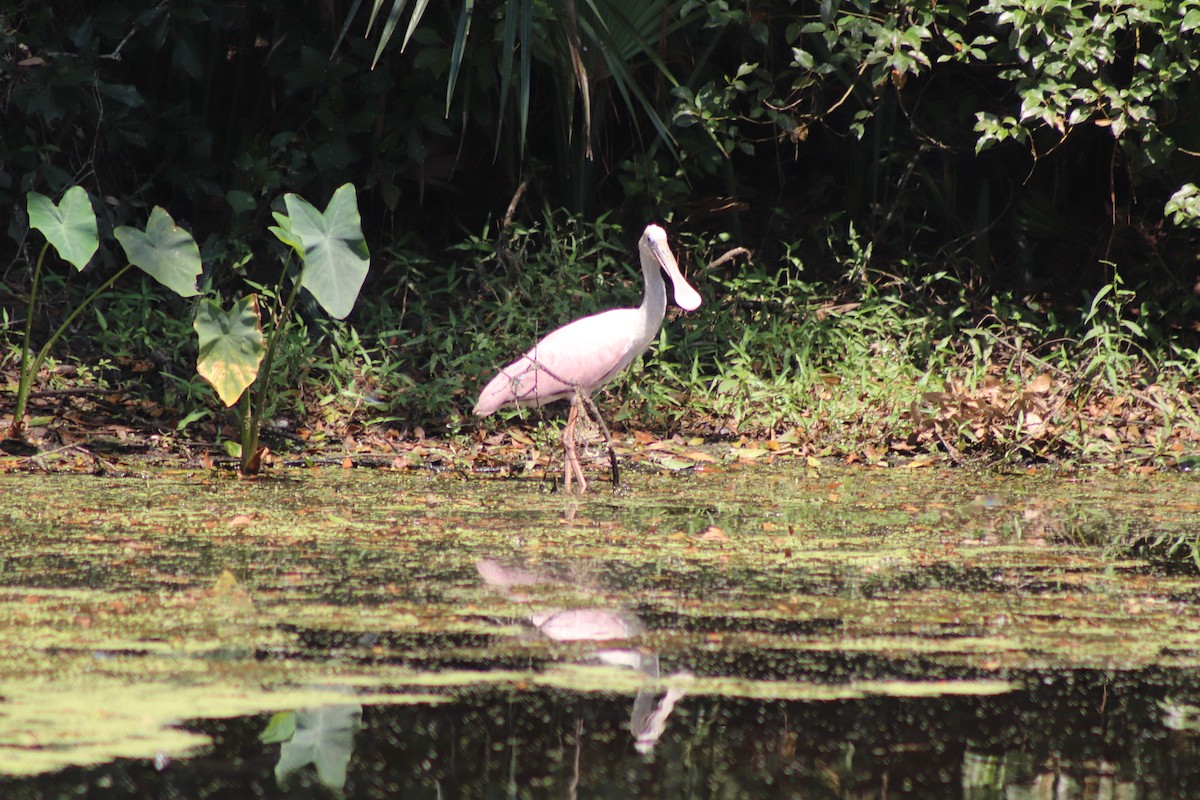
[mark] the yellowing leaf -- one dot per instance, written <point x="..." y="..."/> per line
<point x="231" y="346"/>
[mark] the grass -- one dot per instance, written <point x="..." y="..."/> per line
<point x="880" y="361"/>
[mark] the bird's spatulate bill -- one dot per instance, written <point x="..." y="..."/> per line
<point x="686" y="297"/>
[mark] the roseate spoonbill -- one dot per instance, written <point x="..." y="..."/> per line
<point x="585" y="354"/>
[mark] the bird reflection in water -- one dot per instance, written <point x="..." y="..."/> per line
<point x="596" y="624"/>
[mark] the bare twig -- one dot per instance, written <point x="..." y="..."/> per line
<point x="512" y="205"/>
<point x="732" y="254"/>
<point x="82" y="391"/>
<point x="115" y="55"/>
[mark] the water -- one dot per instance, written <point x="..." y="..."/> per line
<point x="1071" y="736"/>
<point x="784" y="633"/>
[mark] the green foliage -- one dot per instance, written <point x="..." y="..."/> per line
<point x="1111" y="65"/>
<point x="975" y="153"/>
<point x="563" y="90"/>
<point x="334" y="260"/>
<point x="896" y="361"/>
<point x="1117" y="340"/>
<point x="165" y="252"/>
<point x="70" y="226"/>
<point x="1184" y="206"/>
<point x="1060" y="64"/>
<point x="966" y="122"/>
<point x="1011" y="130"/>
<point x="331" y="247"/>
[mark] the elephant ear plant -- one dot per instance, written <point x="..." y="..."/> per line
<point x="165" y="252"/>
<point x="334" y="260"/>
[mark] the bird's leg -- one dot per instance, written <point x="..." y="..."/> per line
<point x="572" y="460"/>
<point x="571" y="467"/>
<point x="612" y="454"/>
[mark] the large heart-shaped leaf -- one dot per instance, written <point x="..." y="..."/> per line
<point x="336" y="258"/>
<point x="231" y="346"/>
<point x="70" y="226"/>
<point x="164" y="251"/>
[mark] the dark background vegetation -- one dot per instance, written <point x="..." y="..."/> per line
<point x="947" y="153"/>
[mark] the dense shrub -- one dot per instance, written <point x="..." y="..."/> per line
<point x="1024" y="145"/>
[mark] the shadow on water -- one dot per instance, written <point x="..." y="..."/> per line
<point x="848" y="635"/>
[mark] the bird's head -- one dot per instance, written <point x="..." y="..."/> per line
<point x="654" y="235"/>
<point x="654" y="246"/>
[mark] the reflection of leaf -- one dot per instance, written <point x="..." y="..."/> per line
<point x="70" y="226"/>
<point x="231" y="346"/>
<point x="323" y="737"/>
<point x="280" y="728"/>
<point x="164" y="251"/>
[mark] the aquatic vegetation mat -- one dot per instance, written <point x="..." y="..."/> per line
<point x="129" y="606"/>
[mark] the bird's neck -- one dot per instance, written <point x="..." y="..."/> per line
<point x="654" y="301"/>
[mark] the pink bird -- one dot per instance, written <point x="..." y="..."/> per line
<point x="585" y="354"/>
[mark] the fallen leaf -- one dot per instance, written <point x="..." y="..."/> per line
<point x="674" y="464"/>
<point x="517" y="436"/>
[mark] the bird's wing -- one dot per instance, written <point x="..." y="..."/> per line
<point x="586" y="353"/>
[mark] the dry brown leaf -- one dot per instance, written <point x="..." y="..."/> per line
<point x="519" y="437"/>
<point x="1042" y="383"/>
